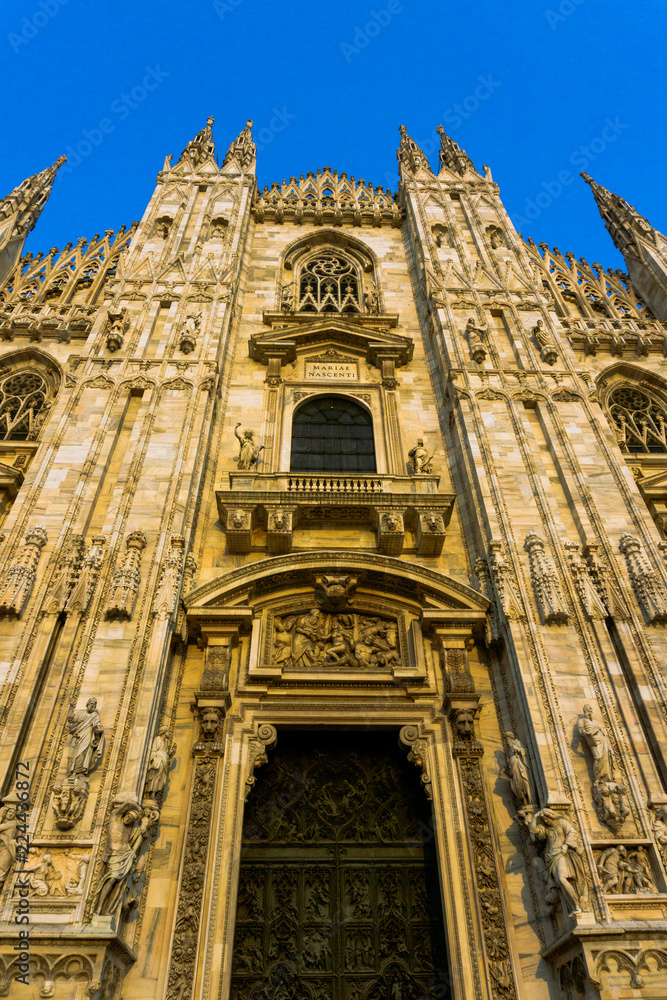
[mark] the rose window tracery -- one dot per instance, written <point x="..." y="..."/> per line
<point x="639" y="423"/>
<point x="23" y="405"/>
<point x="329" y="283"/>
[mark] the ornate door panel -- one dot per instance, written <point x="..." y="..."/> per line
<point x="339" y="895"/>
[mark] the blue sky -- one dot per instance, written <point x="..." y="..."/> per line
<point x="537" y="89"/>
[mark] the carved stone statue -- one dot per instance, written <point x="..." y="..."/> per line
<point x="210" y="719"/>
<point x="287" y="298"/>
<point x="562" y="857"/>
<point x="119" y="854"/>
<point x="609" y="795"/>
<point x="8" y="823"/>
<point x="116" y="330"/>
<point x="422" y="462"/>
<point x="660" y="831"/>
<point x="335" y="593"/>
<point x="496" y="239"/>
<point x="321" y="640"/>
<point x="371" y="299"/>
<point x="248" y="450"/>
<point x="69" y="801"/>
<point x="162" y="751"/>
<point x="87" y="740"/>
<point x="517" y="770"/>
<point x="189" y="333"/>
<point x="625" y="871"/>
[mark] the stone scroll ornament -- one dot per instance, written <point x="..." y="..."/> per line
<point x="562" y="866"/>
<point x="127" y="578"/>
<point x="19" y="579"/>
<point x="86" y="751"/>
<point x="609" y="795"/>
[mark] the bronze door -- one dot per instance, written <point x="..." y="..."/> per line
<point x="339" y="894"/>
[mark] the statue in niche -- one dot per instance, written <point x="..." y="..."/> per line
<point x="319" y="640"/>
<point x="496" y="239"/>
<point x="162" y="229"/>
<point x="248" y="451"/>
<point x="87" y="740"/>
<point x="189" y="333"/>
<point x="287" y="298"/>
<point x="609" y="795"/>
<point x="371" y="299"/>
<point x="162" y="751"/>
<point x="422" y="462"/>
<point x="119" y="854"/>
<point x="609" y="868"/>
<point x="517" y="771"/>
<point x="562" y="858"/>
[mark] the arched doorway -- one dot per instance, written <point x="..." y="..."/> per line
<point x="339" y="893"/>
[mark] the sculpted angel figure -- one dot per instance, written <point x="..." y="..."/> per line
<point x="248" y="450"/>
<point x="87" y="740"/>
<point x="562" y="857"/>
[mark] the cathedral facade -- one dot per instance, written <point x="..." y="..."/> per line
<point x="333" y="596"/>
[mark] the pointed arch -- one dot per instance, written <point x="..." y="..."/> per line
<point x="29" y="382"/>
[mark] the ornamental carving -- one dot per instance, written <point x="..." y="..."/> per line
<point x="486" y="878"/>
<point x="550" y="600"/>
<point x="647" y="585"/>
<point x="20" y="578"/>
<point x="314" y="640"/>
<point x="188" y="914"/>
<point x="127" y="578"/>
<point x="626" y="870"/>
<point x="55" y="873"/>
<point x="409" y="739"/>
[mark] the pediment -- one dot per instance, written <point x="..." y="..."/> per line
<point x="370" y="339"/>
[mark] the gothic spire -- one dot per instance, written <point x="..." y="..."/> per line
<point x="644" y="248"/>
<point x="201" y="147"/>
<point x="243" y="149"/>
<point x="409" y="153"/>
<point x="451" y="154"/>
<point x="19" y="212"/>
<point x="623" y="222"/>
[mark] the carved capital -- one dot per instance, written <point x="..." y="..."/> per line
<point x="264" y="739"/>
<point x="410" y="739"/>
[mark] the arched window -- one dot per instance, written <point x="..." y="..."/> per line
<point x="332" y="434"/>
<point x="23" y="404"/>
<point x="329" y="283"/>
<point x="639" y="422"/>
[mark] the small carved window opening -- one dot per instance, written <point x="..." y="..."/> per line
<point x="329" y="283"/>
<point x="332" y="434"/>
<point x="23" y="405"/>
<point x="639" y="422"/>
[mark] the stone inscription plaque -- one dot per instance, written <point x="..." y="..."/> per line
<point x="346" y="371"/>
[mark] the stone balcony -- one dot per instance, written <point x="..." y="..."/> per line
<point x="279" y="502"/>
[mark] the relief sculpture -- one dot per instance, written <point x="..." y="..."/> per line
<point x="316" y="639"/>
